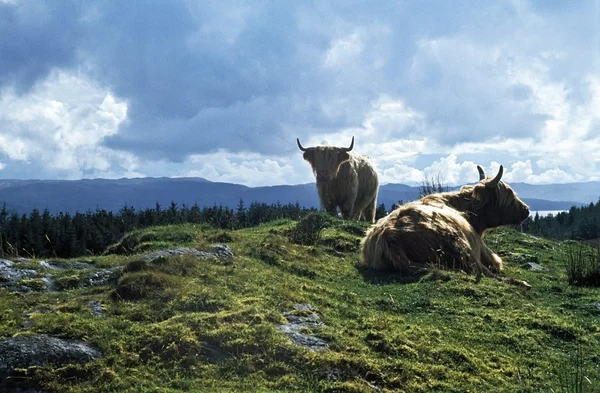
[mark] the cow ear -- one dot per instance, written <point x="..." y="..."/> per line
<point x="343" y="156"/>
<point x="308" y="155"/>
<point x="479" y="193"/>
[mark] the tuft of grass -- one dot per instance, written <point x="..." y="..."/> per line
<point x="573" y="374"/>
<point x="582" y="265"/>
<point x="308" y="230"/>
<point x="33" y="283"/>
<point x="221" y="237"/>
<point x="143" y="285"/>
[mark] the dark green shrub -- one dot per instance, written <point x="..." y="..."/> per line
<point x="308" y="230"/>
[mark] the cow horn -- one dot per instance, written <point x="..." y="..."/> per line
<point x="481" y="173"/>
<point x="299" y="145"/>
<point x="494" y="182"/>
<point x="351" y="146"/>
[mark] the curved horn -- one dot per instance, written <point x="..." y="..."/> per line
<point x="481" y="173"/>
<point x="351" y="146"/>
<point x="299" y="145"/>
<point x="494" y="181"/>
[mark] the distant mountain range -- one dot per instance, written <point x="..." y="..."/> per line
<point x="88" y="194"/>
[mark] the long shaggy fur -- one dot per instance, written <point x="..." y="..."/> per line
<point x="345" y="180"/>
<point x="444" y="230"/>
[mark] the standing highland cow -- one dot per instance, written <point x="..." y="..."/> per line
<point x="445" y="230"/>
<point x="344" y="179"/>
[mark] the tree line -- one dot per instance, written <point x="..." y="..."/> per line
<point x="578" y="223"/>
<point x="63" y="235"/>
<point x="42" y="234"/>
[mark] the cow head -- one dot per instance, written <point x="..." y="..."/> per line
<point x="497" y="201"/>
<point x="326" y="160"/>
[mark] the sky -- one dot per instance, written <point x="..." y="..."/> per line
<point x="222" y="89"/>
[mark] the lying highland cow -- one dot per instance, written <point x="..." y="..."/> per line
<point x="344" y="179"/>
<point x="446" y="230"/>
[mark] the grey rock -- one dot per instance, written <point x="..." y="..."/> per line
<point x="65" y="265"/>
<point x="596" y="305"/>
<point x="519" y="257"/>
<point x="297" y="322"/>
<point x="50" y="283"/>
<point x="304" y="307"/>
<point x="20" y="288"/>
<point x="35" y="350"/>
<point x="220" y="251"/>
<point x="533" y="266"/>
<point x="103" y="277"/>
<point x="12" y="274"/>
<point x="96" y="308"/>
<point x="307" y="341"/>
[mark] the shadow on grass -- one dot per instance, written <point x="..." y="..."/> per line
<point x="391" y="277"/>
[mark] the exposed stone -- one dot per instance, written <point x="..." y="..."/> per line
<point x="596" y="305"/>
<point x="533" y="266"/>
<point x="36" y="350"/>
<point x="96" y="308"/>
<point x="220" y="251"/>
<point x="50" y="283"/>
<point x="65" y="265"/>
<point x="103" y="277"/>
<point x="307" y="319"/>
<point x="10" y="275"/>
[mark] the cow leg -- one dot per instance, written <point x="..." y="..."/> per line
<point x="368" y="213"/>
<point x="490" y="259"/>
<point x="331" y="209"/>
<point x="348" y="212"/>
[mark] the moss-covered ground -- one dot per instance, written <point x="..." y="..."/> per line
<point x="187" y="325"/>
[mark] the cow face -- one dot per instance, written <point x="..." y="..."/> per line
<point x="326" y="160"/>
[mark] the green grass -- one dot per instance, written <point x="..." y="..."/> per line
<point x="182" y="325"/>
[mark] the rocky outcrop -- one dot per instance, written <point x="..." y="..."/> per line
<point x="36" y="350"/>
<point x="302" y="317"/>
<point x="18" y="276"/>
<point x="220" y="251"/>
<point x="11" y="276"/>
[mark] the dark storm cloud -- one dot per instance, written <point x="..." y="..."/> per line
<point x="36" y="37"/>
<point x="197" y="80"/>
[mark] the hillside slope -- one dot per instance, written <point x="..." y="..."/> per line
<point x="185" y="324"/>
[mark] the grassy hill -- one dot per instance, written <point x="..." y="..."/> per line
<point x="186" y="325"/>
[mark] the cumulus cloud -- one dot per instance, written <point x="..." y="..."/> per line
<point x="57" y="128"/>
<point x="250" y="170"/>
<point x="222" y="90"/>
<point x="522" y="171"/>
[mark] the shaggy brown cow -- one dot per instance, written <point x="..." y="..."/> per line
<point x="445" y="230"/>
<point x="344" y="179"/>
